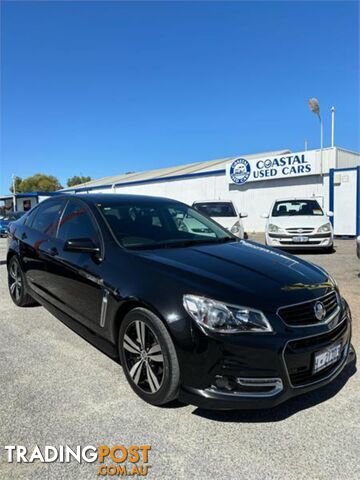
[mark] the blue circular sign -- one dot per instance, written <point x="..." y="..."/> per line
<point x="240" y="171"/>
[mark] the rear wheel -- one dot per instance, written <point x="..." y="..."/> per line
<point x="148" y="357"/>
<point x="17" y="286"/>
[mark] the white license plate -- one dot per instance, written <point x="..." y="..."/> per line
<point x="326" y="357"/>
<point x="300" y="239"/>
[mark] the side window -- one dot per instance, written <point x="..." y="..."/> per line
<point x="76" y="222"/>
<point x="47" y="217"/>
<point x="30" y="216"/>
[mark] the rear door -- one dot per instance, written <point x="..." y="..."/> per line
<point x="37" y="243"/>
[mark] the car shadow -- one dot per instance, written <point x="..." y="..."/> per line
<point x="285" y="410"/>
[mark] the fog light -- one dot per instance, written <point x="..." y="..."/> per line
<point x="224" y="383"/>
<point x="247" y="387"/>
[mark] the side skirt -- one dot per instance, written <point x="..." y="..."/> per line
<point x="100" y="343"/>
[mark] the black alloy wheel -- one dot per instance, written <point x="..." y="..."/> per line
<point x="17" y="286"/>
<point x="148" y="357"/>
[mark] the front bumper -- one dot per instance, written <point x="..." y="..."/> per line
<point x="320" y="240"/>
<point x="285" y="362"/>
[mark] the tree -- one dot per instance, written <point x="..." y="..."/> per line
<point x="17" y="181"/>
<point x="76" y="180"/>
<point x="37" y="183"/>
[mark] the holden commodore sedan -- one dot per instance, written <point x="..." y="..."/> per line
<point x="299" y="222"/>
<point x="203" y="317"/>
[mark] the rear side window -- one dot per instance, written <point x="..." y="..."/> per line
<point x="47" y="217"/>
<point x="30" y="216"/>
<point x="76" y="222"/>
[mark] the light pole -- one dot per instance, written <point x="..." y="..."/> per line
<point x="14" y="193"/>
<point x="332" y="126"/>
<point x="315" y="108"/>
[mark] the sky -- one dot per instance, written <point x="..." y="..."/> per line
<point x="103" y="88"/>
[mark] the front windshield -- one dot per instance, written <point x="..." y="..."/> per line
<point x="216" y="209"/>
<point x="290" y="208"/>
<point x="154" y="224"/>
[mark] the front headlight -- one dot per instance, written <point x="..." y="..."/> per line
<point x="273" y="228"/>
<point x="326" y="228"/>
<point x="235" y="228"/>
<point x="222" y="318"/>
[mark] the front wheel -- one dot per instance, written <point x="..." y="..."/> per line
<point x="148" y="357"/>
<point x="17" y="286"/>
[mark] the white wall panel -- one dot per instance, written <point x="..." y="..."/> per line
<point x="254" y="199"/>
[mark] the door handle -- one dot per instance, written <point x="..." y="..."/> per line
<point x="23" y="236"/>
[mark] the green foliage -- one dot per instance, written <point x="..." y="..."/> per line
<point x="77" y="179"/>
<point x="37" y="183"/>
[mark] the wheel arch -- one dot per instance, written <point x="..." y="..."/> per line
<point x="124" y="308"/>
<point x="11" y="253"/>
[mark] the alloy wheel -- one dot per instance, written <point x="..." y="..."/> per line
<point x="15" y="281"/>
<point x="144" y="357"/>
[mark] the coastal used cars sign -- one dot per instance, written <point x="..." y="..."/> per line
<point x="240" y="170"/>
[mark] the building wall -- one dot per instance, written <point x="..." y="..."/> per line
<point x="20" y="202"/>
<point x="255" y="198"/>
<point x="347" y="159"/>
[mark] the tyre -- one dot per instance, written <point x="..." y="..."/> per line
<point x="148" y="357"/>
<point x="17" y="285"/>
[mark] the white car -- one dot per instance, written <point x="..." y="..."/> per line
<point x="225" y="213"/>
<point x="298" y="223"/>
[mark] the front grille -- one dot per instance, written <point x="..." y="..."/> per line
<point x="304" y="314"/>
<point x="299" y="355"/>
<point x="318" y="341"/>
<point x="295" y="230"/>
<point x="290" y="242"/>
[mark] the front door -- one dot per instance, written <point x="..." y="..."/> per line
<point x="75" y="277"/>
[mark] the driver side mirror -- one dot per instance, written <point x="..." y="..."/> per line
<point x="264" y="215"/>
<point x="81" y="245"/>
<point x="330" y="214"/>
<point x="243" y="214"/>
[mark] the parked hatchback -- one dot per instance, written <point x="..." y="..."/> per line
<point x="207" y="318"/>
<point x="299" y="222"/>
<point x="6" y="220"/>
<point x="225" y="213"/>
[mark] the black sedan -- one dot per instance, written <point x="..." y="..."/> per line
<point x="192" y="312"/>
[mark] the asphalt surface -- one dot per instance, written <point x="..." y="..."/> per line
<point x="57" y="389"/>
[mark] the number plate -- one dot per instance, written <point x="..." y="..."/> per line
<point x="326" y="357"/>
<point x="300" y="239"/>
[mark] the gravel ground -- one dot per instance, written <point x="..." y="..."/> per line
<point x="57" y="389"/>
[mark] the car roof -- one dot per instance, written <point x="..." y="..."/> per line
<point x="213" y="201"/>
<point x="93" y="198"/>
<point x="296" y="199"/>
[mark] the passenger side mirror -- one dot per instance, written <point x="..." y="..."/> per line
<point x="81" y="245"/>
<point x="264" y="215"/>
<point x="243" y="214"/>
<point x="330" y="214"/>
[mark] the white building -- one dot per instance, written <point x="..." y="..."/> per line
<point x="253" y="182"/>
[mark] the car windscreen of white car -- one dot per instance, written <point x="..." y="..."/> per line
<point x="287" y="208"/>
<point x="216" y="209"/>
